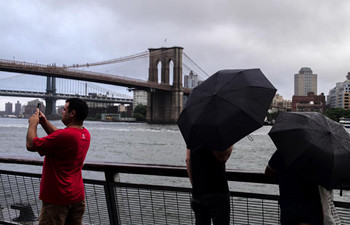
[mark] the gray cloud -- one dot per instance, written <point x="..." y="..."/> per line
<point x="277" y="36"/>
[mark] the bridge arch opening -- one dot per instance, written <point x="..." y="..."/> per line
<point x="159" y="72"/>
<point x="164" y="71"/>
<point x="171" y="72"/>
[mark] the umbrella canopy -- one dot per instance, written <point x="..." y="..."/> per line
<point x="226" y="107"/>
<point x="315" y="145"/>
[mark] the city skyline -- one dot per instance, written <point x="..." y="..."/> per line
<point x="23" y="101"/>
<point x="223" y="34"/>
<point x="4" y="100"/>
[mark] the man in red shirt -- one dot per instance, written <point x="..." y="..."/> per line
<point x="61" y="187"/>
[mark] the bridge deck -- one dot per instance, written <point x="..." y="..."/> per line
<point x="69" y="73"/>
<point x="44" y="95"/>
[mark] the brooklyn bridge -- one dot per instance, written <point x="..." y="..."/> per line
<point x="164" y="83"/>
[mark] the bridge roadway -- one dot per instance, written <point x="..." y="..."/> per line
<point x="69" y="73"/>
<point x="44" y="95"/>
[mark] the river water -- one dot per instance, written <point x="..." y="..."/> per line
<point x="146" y="144"/>
<point x="140" y="143"/>
<point x="137" y="143"/>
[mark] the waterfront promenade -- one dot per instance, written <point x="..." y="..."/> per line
<point x="111" y="201"/>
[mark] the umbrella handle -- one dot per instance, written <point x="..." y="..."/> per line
<point x="250" y="138"/>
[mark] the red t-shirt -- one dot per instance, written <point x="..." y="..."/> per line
<point x="64" y="151"/>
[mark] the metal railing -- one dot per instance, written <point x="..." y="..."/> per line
<point x="110" y="201"/>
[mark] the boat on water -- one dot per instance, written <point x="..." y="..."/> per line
<point x="345" y="122"/>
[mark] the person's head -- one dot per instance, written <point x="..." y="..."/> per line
<point x="75" y="110"/>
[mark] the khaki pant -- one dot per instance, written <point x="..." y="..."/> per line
<point x="62" y="214"/>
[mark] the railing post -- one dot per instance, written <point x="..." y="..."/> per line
<point x="111" y="198"/>
<point x="1" y="215"/>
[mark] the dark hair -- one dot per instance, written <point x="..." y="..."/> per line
<point x="80" y="108"/>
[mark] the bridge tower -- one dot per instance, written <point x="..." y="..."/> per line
<point x="163" y="106"/>
<point x="50" y="100"/>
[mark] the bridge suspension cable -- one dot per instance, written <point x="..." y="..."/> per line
<point x="194" y="63"/>
<point x="26" y="82"/>
<point x="84" y="88"/>
<point x="104" y="90"/>
<point x="11" y="77"/>
<point x="118" y="60"/>
<point x="140" y="55"/>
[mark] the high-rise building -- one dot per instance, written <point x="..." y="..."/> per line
<point x="140" y="97"/>
<point x="30" y="108"/>
<point x="339" y="96"/>
<point x="191" y="80"/>
<point x="304" y="82"/>
<point x="8" y="108"/>
<point x="280" y="104"/>
<point x="18" y="108"/>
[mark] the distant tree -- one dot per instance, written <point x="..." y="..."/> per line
<point x="140" y="112"/>
<point x="336" y="113"/>
<point x="272" y="116"/>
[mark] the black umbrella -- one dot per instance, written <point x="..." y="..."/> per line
<point x="317" y="146"/>
<point x="226" y="107"/>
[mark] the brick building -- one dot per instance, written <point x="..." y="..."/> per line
<point x="309" y="103"/>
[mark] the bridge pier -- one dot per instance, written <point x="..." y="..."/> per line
<point x="165" y="107"/>
<point x="50" y="110"/>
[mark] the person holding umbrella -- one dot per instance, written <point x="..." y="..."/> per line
<point x="210" y="192"/>
<point x="313" y="155"/>
<point x="219" y="112"/>
<point x="299" y="201"/>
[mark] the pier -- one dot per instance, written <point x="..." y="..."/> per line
<point x="111" y="201"/>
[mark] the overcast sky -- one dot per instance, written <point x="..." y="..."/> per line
<point x="277" y="36"/>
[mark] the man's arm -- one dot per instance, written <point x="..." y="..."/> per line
<point x="223" y="156"/>
<point x="270" y="172"/>
<point x="32" y="130"/>
<point x="188" y="164"/>
<point x="46" y="125"/>
<point x="274" y="164"/>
